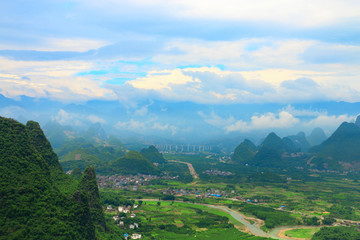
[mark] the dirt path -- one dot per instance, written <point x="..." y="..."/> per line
<point x="190" y="166"/>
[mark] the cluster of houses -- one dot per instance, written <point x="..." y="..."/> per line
<point x="216" y="172"/>
<point x="249" y="200"/>
<point x="198" y="192"/>
<point x="128" y="182"/>
<point x="120" y="220"/>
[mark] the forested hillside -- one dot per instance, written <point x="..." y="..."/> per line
<point x="33" y="203"/>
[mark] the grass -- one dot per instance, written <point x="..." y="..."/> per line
<point x="186" y="217"/>
<point x="302" y="232"/>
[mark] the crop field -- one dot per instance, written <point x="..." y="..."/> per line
<point x="305" y="233"/>
<point x="174" y="220"/>
<point x="299" y="191"/>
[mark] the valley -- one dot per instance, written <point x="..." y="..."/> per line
<point x="268" y="191"/>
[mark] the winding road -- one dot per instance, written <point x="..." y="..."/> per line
<point x="190" y="166"/>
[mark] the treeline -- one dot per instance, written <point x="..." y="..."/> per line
<point x="337" y="233"/>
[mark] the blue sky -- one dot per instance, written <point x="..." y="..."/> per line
<point x="205" y="52"/>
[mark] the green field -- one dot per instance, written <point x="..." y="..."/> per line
<point x="174" y="220"/>
<point x="302" y="232"/>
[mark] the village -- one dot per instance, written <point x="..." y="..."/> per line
<point x="125" y="217"/>
<point x="142" y="182"/>
<point x="128" y="182"/>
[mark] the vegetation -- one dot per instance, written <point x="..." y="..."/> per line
<point x="328" y="156"/>
<point x="272" y="218"/>
<point x="173" y="220"/>
<point x="335" y="233"/>
<point x="152" y="154"/>
<point x="89" y="187"/>
<point x="244" y="152"/>
<point x="32" y="207"/>
<point x="302" y="232"/>
<point x="132" y="163"/>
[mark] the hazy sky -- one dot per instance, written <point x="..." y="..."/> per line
<point x="218" y="52"/>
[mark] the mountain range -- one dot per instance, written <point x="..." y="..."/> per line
<point x="164" y="122"/>
<point x="339" y="152"/>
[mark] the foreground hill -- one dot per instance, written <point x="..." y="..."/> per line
<point x="340" y="151"/>
<point x="32" y="204"/>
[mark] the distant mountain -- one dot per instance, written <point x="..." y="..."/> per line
<point x="244" y="152"/>
<point x="132" y="163"/>
<point x="357" y="122"/>
<point x="316" y="137"/>
<point x="33" y="204"/>
<point x="272" y="141"/>
<point x="96" y="133"/>
<point x="340" y="151"/>
<point x="300" y="141"/>
<point x="57" y="134"/>
<point x="152" y="154"/>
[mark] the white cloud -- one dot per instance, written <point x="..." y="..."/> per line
<point x="49" y="79"/>
<point x="66" y="118"/>
<point x="304" y="13"/>
<point x="330" y="122"/>
<point x="265" y="121"/>
<point x="95" y="119"/>
<point x="216" y="120"/>
<point x="304" y="112"/>
<point x="157" y="80"/>
<point x="161" y="127"/>
<point x="143" y="110"/>
<point x="132" y="125"/>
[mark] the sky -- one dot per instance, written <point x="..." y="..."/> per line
<point x="205" y="52"/>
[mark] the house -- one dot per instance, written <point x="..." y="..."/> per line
<point x="109" y="208"/>
<point x="120" y="209"/>
<point x="121" y="223"/>
<point x="116" y="218"/>
<point x="132" y="226"/>
<point x="136" y="225"/>
<point x="132" y="215"/>
<point x="136" y="206"/>
<point x="136" y="236"/>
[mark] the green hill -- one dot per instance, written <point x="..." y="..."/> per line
<point x="268" y="158"/>
<point x="79" y="158"/>
<point x="244" y="152"/>
<point x="132" y="163"/>
<point x="32" y="206"/>
<point x="152" y="154"/>
<point x="340" y="151"/>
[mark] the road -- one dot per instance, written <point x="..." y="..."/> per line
<point x="190" y="166"/>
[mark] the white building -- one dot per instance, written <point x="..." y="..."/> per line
<point x="136" y="236"/>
